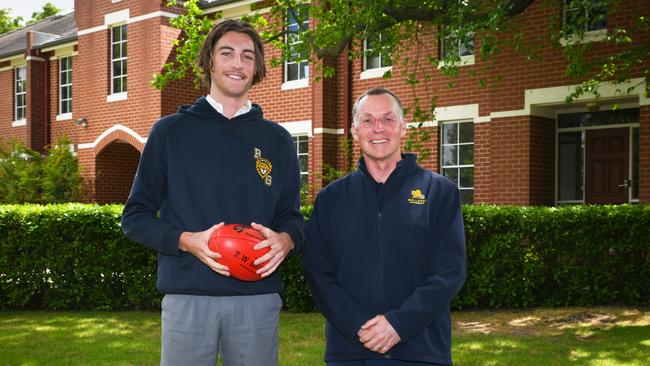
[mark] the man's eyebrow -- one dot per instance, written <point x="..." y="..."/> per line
<point x="226" y="48"/>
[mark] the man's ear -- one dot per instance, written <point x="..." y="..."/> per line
<point x="403" y="129"/>
<point x="355" y="133"/>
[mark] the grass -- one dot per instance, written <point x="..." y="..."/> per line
<point x="601" y="336"/>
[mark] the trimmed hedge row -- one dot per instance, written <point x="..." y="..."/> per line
<point x="74" y="256"/>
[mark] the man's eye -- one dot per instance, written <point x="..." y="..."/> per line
<point x="249" y="58"/>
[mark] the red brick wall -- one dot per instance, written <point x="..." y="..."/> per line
<point x="542" y="161"/>
<point x="482" y="163"/>
<point x="510" y="160"/>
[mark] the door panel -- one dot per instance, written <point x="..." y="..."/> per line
<point x="607" y="166"/>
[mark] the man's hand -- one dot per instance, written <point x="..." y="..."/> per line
<point x="280" y="243"/>
<point x="197" y="244"/>
<point x="378" y="335"/>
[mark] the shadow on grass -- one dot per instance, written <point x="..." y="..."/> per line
<point x="617" y="345"/>
<point x="42" y="338"/>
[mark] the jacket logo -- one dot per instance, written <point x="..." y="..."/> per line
<point x="417" y="198"/>
<point x="263" y="167"/>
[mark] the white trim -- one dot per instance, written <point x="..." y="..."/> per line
<point x="328" y="131"/>
<point x="591" y="36"/>
<point x="298" y="127"/>
<point x="295" y="84"/>
<point x="459" y="112"/>
<point x="422" y="125"/>
<point x="104" y="27"/>
<point x="64" y="117"/>
<point x="70" y="54"/>
<point x="112" y="129"/>
<point x="464" y="61"/>
<point x="374" y="73"/>
<point x="155" y="14"/>
<point x="19" y="123"/>
<point x="12" y="59"/>
<point x="60" y="46"/>
<point x="117" y="97"/>
<point x="120" y="16"/>
<point x="34" y="58"/>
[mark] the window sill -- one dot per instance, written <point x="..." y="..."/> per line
<point x="374" y="73"/>
<point x="116" y="97"/>
<point x="464" y="61"/>
<point x="19" y="123"/>
<point x="64" y="117"/>
<point x="295" y="84"/>
<point x="593" y="36"/>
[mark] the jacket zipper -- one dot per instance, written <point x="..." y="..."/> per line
<point x="379" y="265"/>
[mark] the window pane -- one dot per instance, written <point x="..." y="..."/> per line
<point x="465" y="132"/>
<point x="115" y="34"/>
<point x="451" y="173"/>
<point x="303" y="145"/>
<point x="123" y="83"/>
<point x="64" y="106"/>
<point x="20" y="100"/>
<point x="466" y="155"/>
<point x="64" y="93"/>
<point x="123" y="54"/>
<point x="570" y="166"/>
<point x="304" y="164"/>
<point x="123" y="32"/>
<point x="449" y="133"/>
<point x="64" y="78"/>
<point x="117" y="68"/>
<point x="450" y="155"/>
<point x="304" y="70"/>
<point x="123" y="62"/>
<point x="292" y="71"/>
<point x="117" y="85"/>
<point x="116" y="50"/>
<point x="466" y="178"/>
<point x="372" y="62"/>
<point x="22" y="73"/>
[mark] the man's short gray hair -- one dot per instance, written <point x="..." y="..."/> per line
<point x="377" y="91"/>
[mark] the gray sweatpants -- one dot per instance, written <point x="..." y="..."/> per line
<point x="244" y="329"/>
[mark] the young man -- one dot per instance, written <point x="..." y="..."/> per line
<point x="385" y="250"/>
<point x="218" y="161"/>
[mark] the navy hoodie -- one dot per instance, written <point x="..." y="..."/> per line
<point x="199" y="168"/>
<point x="396" y="249"/>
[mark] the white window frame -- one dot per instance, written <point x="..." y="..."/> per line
<point x="121" y="94"/>
<point x="297" y="139"/>
<point x="376" y="72"/>
<point x="296" y="83"/>
<point x="65" y="114"/>
<point x="465" y="60"/>
<point x="458" y="166"/>
<point x="20" y="110"/>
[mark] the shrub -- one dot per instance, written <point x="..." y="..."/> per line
<point x="27" y="177"/>
<point x="74" y="256"/>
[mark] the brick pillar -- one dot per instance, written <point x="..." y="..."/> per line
<point x="510" y="160"/>
<point x="323" y="148"/>
<point x="482" y="167"/>
<point x="37" y="106"/>
<point x="542" y="161"/>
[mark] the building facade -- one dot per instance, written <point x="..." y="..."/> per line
<point x="87" y="75"/>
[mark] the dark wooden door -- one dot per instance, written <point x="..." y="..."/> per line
<point x="607" y="166"/>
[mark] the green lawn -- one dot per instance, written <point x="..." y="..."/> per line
<point x="573" y="336"/>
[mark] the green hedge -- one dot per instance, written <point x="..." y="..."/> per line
<point x="74" y="256"/>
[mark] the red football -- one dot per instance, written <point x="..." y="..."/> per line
<point x="235" y="243"/>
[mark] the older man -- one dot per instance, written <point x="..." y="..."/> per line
<point x="385" y="251"/>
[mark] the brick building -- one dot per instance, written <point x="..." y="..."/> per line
<point x="87" y="75"/>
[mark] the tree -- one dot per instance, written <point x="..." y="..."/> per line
<point x="47" y="10"/>
<point x="26" y="176"/>
<point x="341" y="26"/>
<point x="7" y="23"/>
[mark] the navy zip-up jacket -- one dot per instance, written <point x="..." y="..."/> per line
<point x="199" y="168"/>
<point x="396" y="249"/>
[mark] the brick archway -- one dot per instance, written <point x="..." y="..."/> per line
<point x="115" y="167"/>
